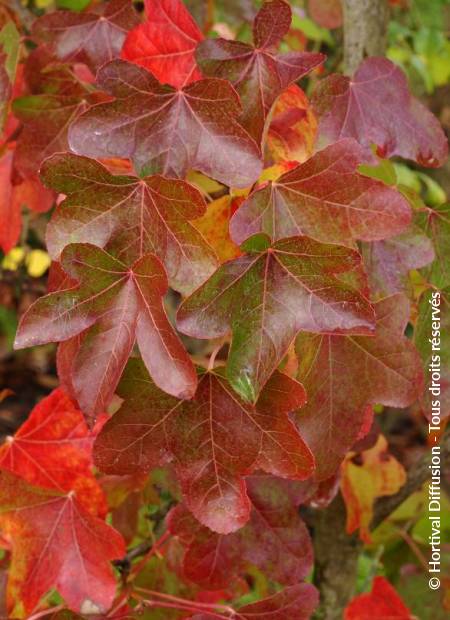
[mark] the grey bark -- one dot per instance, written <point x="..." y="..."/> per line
<point x="365" y="27"/>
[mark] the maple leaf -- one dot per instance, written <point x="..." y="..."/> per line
<point x="17" y="193"/>
<point x="434" y="311"/>
<point x="436" y="224"/>
<point x="267" y="296"/>
<point x="378" y="474"/>
<point x="382" y="602"/>
<point x="117" y="304"/>
<point x="55" y="544"/>
<point x="326" y="13"/>
<point x="376" y="107"/>
<point x="293" y="127"/>
<point x="90" y="37"/>
<point x="294" y="603"/>
<point x="258" y="72"/>
<point x="215" y="439"/>
<point x="46" y="120"/>
<point x="53" y="449"/>
<point x="324" y="198"/>
<point x="214" y="226"/>
<point x="275" y="540"/>
<point x="389" y="262"/>
<point x="343" y="374"/>
<point x="135" y="216"/>
<point x="165" y="43"/>
<point x="166" y="130"/>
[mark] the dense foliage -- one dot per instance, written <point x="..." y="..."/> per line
<point x="239" y="288"/>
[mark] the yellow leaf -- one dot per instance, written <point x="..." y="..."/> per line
<point x="375" y="474"/>
<point x="37" y="262"/>
<point x="214" y="226"/>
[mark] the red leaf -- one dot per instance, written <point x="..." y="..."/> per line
<point x="267" y="296"/>
<point x="100" y="207"/>
<point x="56" y="544"/>
<point x="376" y="107"/>
<point x="275" y="540"/>
<point x="15" y="195"/>
<point x="324" y="198"/>
<point x="258" y="72"/>
<point x="382" y="603"/>
<point x="215" y="439"/>
<point x="326" y="13"/>
<point x="93" y="38"/>
<point x="116" y="304"/>
<point x="343" y="374"/>
<point x="53" y="449"/>
<point x="165" y="43"/>
<point x="168" y="131"/>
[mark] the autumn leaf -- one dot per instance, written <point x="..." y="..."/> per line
<point x="90" y="37"/>
<point x="215" y="440"/>
<point x="382" y="602"/>
<point x="326" y="13"/>
<point x="134" y="216"/>
<point x="275" y="540"/>
<point x="165" y="43"/>
<point x="293" y="127"/>
<point x="53" y="449"/>
<point x="214" y="226"/>
<point x="436" y="224"/>
<point x="344" y="374"/>
<point x="258" y="72"/>
<point x="389" y="262"/>
<point x="376" y="107"/>
<point x="376" y="474"/>
<point x="16" y="194"/>
<point x="114" y="304"/>
<point x="53" y="539"/>
<point x="267" y="296"/>
<point x="178" y="130"/>
<point x="326" y="199"/>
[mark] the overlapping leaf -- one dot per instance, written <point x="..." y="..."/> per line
<point x="135" y="216"/>
<point x="275" y="540"/>
<point x="343" y="374"/>
<point x="258" y="72"/>
<point x="381" y="602"/>
<point x="376" y="107"/>
<point x="267" y="296"/>
<point x="376" y="475"/>
<point x="55" y="544"/>
<point x="436" y="224"/>
<point x="389" y="262"/>
<point x="90" y="37"/>
<point x="293" y="127"/>
<point x="53" y="449"/>
<point x="326" y="13"/>
<point x="17" y="193"/>
<point x="165" y="43"/>
<point x="117" y="304"/>
<point x="166" y="130"/>
<point x="215" y="439"/>
<point x="324" y="198"/>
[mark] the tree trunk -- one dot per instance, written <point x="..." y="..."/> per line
<point x="365" y="26"/>
<point x="336" y="559"/>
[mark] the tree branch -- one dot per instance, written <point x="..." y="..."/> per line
<point x="365" y="26"/>
<point x="416" y="476"/>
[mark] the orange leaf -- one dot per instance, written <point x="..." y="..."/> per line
<point x="378" y="474"/>
<point x="214" y="226"/>
<point x="293" y="129"/>
<point x="382" y="603"/>
<point x="53" y="449"/>
<point x="55" y="544"/>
